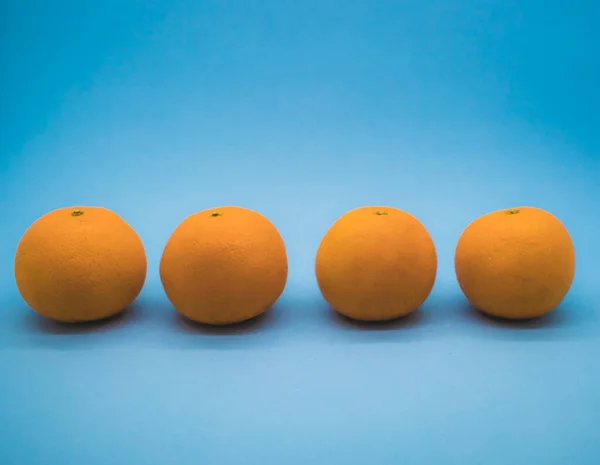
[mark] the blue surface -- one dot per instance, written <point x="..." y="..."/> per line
<point x="302" y="111"/>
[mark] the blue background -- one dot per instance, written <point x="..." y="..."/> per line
<point x="302" y="111"/>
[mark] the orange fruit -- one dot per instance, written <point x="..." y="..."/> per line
<point x="224" y="265"/>
<point x="376" y="263"/>
<point x="516" y="263"/>
<point x="80" y="264"/>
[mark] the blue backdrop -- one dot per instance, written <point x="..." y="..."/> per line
<point x="302" y="111"/>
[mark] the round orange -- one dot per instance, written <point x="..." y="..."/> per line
<point x="376" y="263"/>
<point x="224" y="265"/>
<point x="80" y="264"/>
<point x="516" y="263"/>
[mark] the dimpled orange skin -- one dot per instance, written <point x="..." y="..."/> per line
<point x="224" y="265"/>
<point x="516" y="263"/>
<point x="376" y="264"/>
<point x="80" y="264"/>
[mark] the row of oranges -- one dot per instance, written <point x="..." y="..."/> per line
<point x="229" y="264"/>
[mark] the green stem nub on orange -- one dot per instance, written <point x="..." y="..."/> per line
<point x="512" y="211"/>
<point x="216" y="214"/>
<point x="76" y="213"/>
<point x="379" y="213"/>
